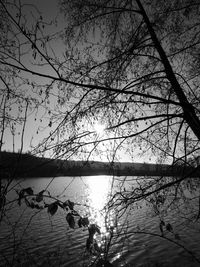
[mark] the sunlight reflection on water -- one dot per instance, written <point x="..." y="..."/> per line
<point x="98" y="192"/>
<point x="99" y="189"/>
<point x="50" y="233"/>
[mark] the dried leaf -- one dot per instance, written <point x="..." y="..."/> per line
<point x="169" y="228"/>
<point x="70" y="205"/>
<point x="65" y="205"/>
<point x="36" y="206"/>
<point x="21" y="195"/>
<point x="162" y="222"/>
<point x="52" y="208"/>
<point x="27" y="202"/>
<point x="70" y="220"/>
<point x="93" y="229"/>
<point x="28" y="191"/>
<point x="83" y="222"/>
<point x="39" y="196"/>
<point x="80" y="222"/>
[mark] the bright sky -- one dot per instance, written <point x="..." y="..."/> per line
<point x="37" y="124"/>
<point x="37" y="119"/>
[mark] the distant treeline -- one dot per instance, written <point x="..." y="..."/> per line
<point x="14" y="165"/>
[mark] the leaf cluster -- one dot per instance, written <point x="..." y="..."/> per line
<point x="73" y="218"/>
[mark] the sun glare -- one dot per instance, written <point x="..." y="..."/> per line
<point x="99" y="128"/>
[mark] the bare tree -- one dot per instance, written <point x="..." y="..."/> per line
<point x="130" y="65"/>
<point x="127" y="74"/>
<point x="145" y="75"/>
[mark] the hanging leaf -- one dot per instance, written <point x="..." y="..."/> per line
<point x="93" y="229"/>
<point x="83" y="222"/>
<point x="36" y="206"/>
<point x="28" y="191"/>
<point x="32" y="205"/>
<point x="162" y="222"/>
<point x="21" y="195"/>
<point x="70" y="220"/>
<point x="52" y="208"/>
<point x="80" y="222"/>
<point x="70" y="205"/>
<point x="65" y="205"/>
<point x="39" y="196"/>
<point x="75" y="213"/>
<point x="29" y="204"/>
<point x="169" y="228"/>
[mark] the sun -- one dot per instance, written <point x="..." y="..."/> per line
<point x="99" y="128"/>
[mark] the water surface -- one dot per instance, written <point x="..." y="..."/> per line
<point x="35" y="238"/>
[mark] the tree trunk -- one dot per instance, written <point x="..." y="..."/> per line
<point x="188" y="109"/>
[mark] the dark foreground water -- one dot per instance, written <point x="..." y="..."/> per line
<point x="30" y="237"/>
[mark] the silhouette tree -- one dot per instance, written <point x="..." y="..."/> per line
<point x="130" y="65"/>
<point x="142" y="63"/>
<point x="135" y="71"/>
<point x="143" y="57"/>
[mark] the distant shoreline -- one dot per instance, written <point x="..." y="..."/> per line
<point x="28" y="166"/>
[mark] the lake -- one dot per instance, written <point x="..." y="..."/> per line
<point x="30" y="237"/>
